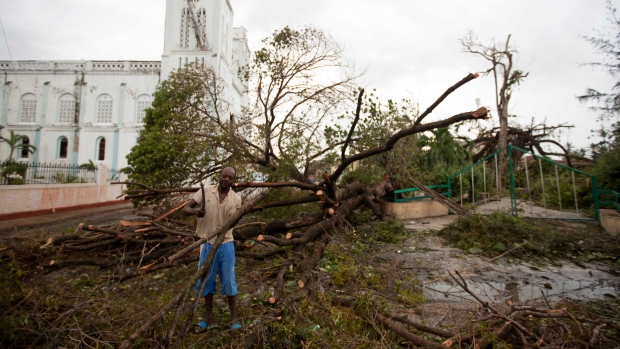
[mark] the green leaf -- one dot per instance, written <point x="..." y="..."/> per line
<point x="474" y="250"/>
<point x="499" y="246"/>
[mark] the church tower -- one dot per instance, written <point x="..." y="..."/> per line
<point x="201" y="31"/>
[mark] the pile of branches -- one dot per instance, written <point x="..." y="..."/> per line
<point x="504" y="325"/>
<point x="140" y="247"/>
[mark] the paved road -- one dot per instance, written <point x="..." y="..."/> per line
<point x="59" y="221"/>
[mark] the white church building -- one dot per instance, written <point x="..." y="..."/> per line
<point x="76" y="111"/>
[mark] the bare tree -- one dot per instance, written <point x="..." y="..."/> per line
<point x="500" y="55"/>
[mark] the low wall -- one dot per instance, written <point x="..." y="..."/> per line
<point x="39" y="197"/>
<point x="610" y="221"/>
<point x="413" y="209"/>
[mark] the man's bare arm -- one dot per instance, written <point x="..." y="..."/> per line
<point x="189" y="209"/>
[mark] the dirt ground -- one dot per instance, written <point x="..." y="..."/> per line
<point x="427" y="257"/>
<point x="55" y="222"/>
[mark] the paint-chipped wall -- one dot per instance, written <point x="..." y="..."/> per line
<point x="37" y="197"/>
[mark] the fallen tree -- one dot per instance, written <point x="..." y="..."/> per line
<point x="160" y="243"/>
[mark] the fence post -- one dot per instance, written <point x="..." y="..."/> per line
<point x="513" y="192"/>
<point x="597" y="214"/>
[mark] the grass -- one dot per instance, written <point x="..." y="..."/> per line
<point x="538" y="239"/>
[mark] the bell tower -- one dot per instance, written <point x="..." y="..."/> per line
<point x="201" y="32"/>
<point x="197" y="31"/>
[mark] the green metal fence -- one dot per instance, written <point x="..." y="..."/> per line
<point x="412" y="194"/>
<point x="613" y="200"/>
<point x="532" y="186"/>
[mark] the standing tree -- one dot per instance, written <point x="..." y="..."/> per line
<point x="188" y="132"/>
<point x="506" y="78"/>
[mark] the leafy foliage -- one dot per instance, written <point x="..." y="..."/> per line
<point x="186" y="132"/>
<point x="607" y="168"/>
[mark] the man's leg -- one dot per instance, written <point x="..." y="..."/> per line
<point x="232" y="303"/>
<point x="227" y="277"/>
<point x="208" y="290"/>
<point x="209" y="309"/>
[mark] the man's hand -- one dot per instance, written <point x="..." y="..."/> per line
<point x="248" y="207"/>
<point x="189" y="209"/>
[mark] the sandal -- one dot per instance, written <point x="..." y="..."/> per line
<point x="200" y="327"/>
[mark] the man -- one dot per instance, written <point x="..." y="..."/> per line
<point x="219" y="204"/>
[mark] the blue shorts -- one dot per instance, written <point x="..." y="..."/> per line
<point x="223" y="265"/>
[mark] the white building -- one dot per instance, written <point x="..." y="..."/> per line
<point x="76" y="111"/>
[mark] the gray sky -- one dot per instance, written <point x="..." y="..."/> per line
<point x="409" y="47"/>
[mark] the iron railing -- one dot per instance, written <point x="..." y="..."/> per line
<point x="613" y="199"/>
<point x="15" y="173"/>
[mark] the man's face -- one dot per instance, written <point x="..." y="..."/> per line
<point x="227" y="178"/>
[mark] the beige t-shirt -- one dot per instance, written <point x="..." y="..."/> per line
<point x="216" y="213"/>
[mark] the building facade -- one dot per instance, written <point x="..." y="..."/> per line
<point x="76" y="111"/>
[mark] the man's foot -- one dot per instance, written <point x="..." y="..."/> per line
<point x="200" y="327"/>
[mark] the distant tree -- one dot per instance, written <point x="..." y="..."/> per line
<point x="16" y="142"/>
<point x="607" y="103"/>
<point x="500" y="55"/>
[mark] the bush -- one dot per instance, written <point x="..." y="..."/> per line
<point x="14" y="172"/>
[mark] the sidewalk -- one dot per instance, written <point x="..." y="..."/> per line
<point x="101" y="214"/>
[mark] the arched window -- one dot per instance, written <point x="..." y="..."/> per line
<point x="143" y="103"/>
<point x="28" y="109"/>
<point x="25" y="149"/>
<point x="63" y="147"/>
<point x="100" y="156"/>
<point x="104" y="109"/>
<point x="66" y="109"/>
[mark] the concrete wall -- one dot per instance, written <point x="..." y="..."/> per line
<point x="610" y="221"/>
<point x="414" y="209"/>
<point x="38" y="197"/>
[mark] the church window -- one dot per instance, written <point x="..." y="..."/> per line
<point x="202" y="22"/>
<point x="224" y="39"/>
<point x="63" y="146"/>
<point x="100" y="156"/>
<point x="104" y="109"/>
<point x="66" y="109"/>
<point x="185" y="28"/>
<point x="28" y="111"/>
<point x="144" y="102"/>
<point x="25" y="149"/>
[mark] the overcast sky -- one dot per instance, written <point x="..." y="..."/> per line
<point x="410" y="48"/>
